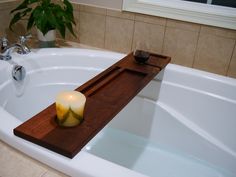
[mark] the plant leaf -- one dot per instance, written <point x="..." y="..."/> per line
<point x="69" y="7"/>
<point x="41" y="22"/>
<point x="46" y="15"/>
<point x="15" y="19"/>
<point x="63" y="31"/>
<point x="69" y="26"/>
<point x="18" y="16"/>
<point x="31" y="21"/>
<point x="69" y="11"/>
<point x="25" y="12"/>
<point x="23" y="5"/>
<point x="52" y="20"/>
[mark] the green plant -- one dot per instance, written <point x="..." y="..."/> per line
<point x="45" y="15"/>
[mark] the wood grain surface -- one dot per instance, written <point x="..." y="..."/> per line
<point x="107" y="94"/>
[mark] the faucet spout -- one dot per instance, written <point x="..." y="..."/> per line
<point x="6" y="55"/>
<point x="18" y="72"/>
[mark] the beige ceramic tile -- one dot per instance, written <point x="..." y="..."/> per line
<point x="4" y="19"/>
<point x="150" y="19"/>
<point x="53" y="174"/>
<point x="120" y="14"/>
<point x="232" y="66"/>
<point x="227" y="33"/>
<point x="92" y="29"/>
<point x="76" y="6"/>
<point x="119" y="34"/>
<point x="214" y="53"/>
<point x="183" y="25"/>
<point x="8" y="5"/>
<point x="150" y="34"/>
<point x="180" y="45"/>
<point x="18" y="29"/>
<point x="69" y="36"/>
<point x="92" y="9"/>
<point x="13" y="164"/>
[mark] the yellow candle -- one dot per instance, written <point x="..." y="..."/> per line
<point x="70" y="108"/>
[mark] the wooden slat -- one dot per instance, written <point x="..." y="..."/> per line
<point x="107" y="94"/>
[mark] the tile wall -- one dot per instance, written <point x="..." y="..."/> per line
<point x="199" y="46"/>
<point x="5" y="17"/>
<point x="203" y="47"/>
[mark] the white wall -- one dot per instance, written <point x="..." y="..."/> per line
<point x="112" y="4"/>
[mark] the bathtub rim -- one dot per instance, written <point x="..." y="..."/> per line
<point x="53" y="157"/>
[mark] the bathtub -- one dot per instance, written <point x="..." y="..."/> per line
<point x="181" y="124"/>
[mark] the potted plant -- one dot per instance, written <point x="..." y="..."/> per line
<point x="46" y="16"/>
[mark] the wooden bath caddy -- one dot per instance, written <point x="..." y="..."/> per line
<point x="107" y="93"/>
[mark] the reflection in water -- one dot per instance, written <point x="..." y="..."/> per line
<point x="152" y="159"/>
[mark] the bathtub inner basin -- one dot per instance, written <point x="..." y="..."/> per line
<point x="116" y="145"/>
<point x="128" y="140"/>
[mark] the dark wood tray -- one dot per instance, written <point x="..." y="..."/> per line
<point x="107" y="93"/>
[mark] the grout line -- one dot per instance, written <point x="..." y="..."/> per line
<point x="92" y="6"/>
<point x="122" y="18"/>
<point x="79" y="24"/>
<point x="105" y="31"/>
<point x="221" y="31"/>
<point x="149" y="16"/>
<point x="196" y="49"/>
<point x="163" y="40"/>
<point x="149" y="22"/>
<point x="42" y="175"/>
<point x="132" y="44"/>
<point x="131" y="47"/>
<point x="231" y="58"/>
<point x="183" y="29"/>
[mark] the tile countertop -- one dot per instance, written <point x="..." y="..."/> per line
<point x="16" y="164"/>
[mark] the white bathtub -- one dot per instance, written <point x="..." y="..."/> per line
<point x="182" y="124"/>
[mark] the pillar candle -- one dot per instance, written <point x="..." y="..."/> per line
<point x="70" y="108"/>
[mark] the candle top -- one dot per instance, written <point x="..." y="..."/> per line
<point x="71" y="98"/>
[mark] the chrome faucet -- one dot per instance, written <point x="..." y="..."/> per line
<point x="6" y="54"/>
<point x="20" y="47"/>
<point x="18" y="71"/>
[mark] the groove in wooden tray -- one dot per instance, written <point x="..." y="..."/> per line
<point x="107" y="77"/>
<point x="118" y="89"/>
<point x="107" y="94"/>
<point x="156" y="60"/>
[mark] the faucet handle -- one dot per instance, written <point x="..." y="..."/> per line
<point x="22" y="41"/>
<point x="25" y="38"/>
<point x="4" y="43"/>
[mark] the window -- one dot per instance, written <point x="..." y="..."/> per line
<point x="221" y="13"/>
<point x="228" y="3"/>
